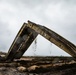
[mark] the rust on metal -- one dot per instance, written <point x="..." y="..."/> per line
<point x="21" y="43"/>
<point x="54" y="38"/>
<point x="27" y="35"/>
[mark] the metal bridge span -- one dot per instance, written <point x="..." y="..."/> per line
<point x="27" y="35"/>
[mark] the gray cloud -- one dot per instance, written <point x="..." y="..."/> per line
<point x="4" y="36"/>
<point x="58" y="15"/>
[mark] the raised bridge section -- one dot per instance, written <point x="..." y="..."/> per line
<point x="27" y="35"/>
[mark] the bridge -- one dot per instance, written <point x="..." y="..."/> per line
<point x="27" y="34"/>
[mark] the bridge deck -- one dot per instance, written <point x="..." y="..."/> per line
<point x="29" y="32"/>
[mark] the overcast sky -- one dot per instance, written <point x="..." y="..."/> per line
<point x="58" y="15"/>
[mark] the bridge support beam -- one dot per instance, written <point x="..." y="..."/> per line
<point x="27" y="35"/>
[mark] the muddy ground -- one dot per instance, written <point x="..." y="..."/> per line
<point x="61" y="70"/>
<point x="39" y="66"/>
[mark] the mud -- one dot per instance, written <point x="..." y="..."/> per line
<point x="38" y="66"/>
<point x="58" y="70"/>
